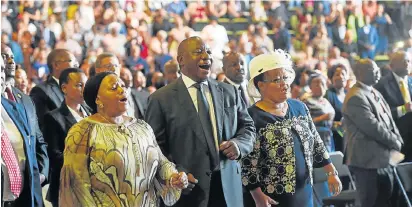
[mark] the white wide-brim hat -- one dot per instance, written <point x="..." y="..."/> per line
<point x="275" y="60"/>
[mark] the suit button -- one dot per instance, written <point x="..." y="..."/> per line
<point x="207" y="153"/>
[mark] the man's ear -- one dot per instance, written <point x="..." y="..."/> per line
<point x="64" y="88"/>
<point x="180" y="61"/>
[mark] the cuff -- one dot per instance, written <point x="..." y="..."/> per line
<point x="401" y="110"/>
<point x="240" y="153"/>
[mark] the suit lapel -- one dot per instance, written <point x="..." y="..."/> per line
<point x="67" y="114"/>
<point x="394" y="87"/>
<point x="138" y="104"/>
<point x="217" y="96"/>
<point x="58" y="98"/>
<point x="17" y="95"/>
<point x="17" y="114"/>
<point x="188" y="108"/>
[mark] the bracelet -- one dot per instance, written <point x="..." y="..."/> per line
<point x="334" y="172"/>
<point x="171" y="182"/>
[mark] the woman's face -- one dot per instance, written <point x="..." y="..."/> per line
<point x="73" y="89"/>
<point x="318" y="87"/>
<point x="339" y="78"/>
<point x="112" y="95"/>
<point x="275" y="86"/>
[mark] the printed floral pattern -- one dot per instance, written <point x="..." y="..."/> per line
<point x="271" y="165"/>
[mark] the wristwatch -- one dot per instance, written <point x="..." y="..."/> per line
<point x="334" y="172"/>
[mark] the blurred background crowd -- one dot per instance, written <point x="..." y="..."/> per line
<point x="144" y="35"/>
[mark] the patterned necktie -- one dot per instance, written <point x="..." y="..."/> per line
<point x="404" y="91"/>
<point x="10" y="94"/>
<point x="12" y="164"/>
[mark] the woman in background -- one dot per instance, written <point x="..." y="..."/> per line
<point x="339" y="76"/>
<point x="321" y="110"/>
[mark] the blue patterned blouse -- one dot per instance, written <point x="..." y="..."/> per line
<point x="277" y="165"/>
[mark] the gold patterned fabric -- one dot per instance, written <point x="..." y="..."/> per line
<point x="272" y="163"/>
<point x="108" y="165"/>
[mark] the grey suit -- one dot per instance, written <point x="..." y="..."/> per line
<point x="368" y="141"/>
<point x="179" y="133"/>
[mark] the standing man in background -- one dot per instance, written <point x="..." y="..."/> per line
<point x="369" y="125"/>
<point x="47" y="96"/>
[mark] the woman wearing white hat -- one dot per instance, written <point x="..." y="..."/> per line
<point x="288" y="147"/>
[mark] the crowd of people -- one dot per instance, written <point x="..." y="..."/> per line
<point x="123" y="103"/>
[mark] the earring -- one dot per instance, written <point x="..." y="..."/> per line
<point x="100" y="105"/>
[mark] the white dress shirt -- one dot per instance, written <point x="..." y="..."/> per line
<point x="17" y="143"/>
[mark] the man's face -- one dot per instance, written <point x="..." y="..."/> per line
<point x="140" y="80"/>
<point x="371" y="74"/>
<point x="196" y="61"/>
<point x="64" y="61"/>
<point x="3" y="76"/>
<point x="127" y="78"/>
<point x="171" y="72"/>
<point x="402" y="64"/>
<point x="170" y="76"/>
<point x="8" y="58"/>
<point x="233" y="66"/>
<point x="109" y="64"/>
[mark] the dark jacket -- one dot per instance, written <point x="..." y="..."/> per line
<point x="179" y="133"/>
<point x="59" y="122"/>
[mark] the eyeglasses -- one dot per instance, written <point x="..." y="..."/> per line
<point x="279" y="80"/>
<point x="110" y="66"/>
<point x="66" y="61"/>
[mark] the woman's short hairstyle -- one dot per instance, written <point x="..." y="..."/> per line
<point x="92" y="89"/>
<point x="64" y="75"/>
<point x="332" y="70"/>
<point x="317" y="75"/>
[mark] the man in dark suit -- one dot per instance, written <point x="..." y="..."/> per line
<point x="137" y="100"/>
<point x="367" y="39"/>
<point x="60" y="120"/>
<point x="47" y="96"/>
<point x="20" y="176"/>
<point x="203" y="127"/>
<point x="234" y="69"/>
<point x="15" y="95"/>
<point x="369" y="125"/>
<point x="396" y="88"/>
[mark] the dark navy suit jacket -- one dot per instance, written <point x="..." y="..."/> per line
<point x="31" y="194"/>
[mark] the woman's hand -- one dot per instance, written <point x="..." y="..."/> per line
<point x="261" y="199"/>
<point x="179" y="180"/>
<point x="335" y="186"/>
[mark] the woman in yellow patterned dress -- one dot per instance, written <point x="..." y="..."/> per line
<point x="114" y="160"/>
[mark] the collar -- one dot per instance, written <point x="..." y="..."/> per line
<point x="399" y="79"/>
<point x="368" y="88"/>
<point x="57" y="80"/>
<point x="189" y="82"/>
<point x="233" y="83"/>
<point x="237" y="85"/>
<point x="74" y="113"/>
